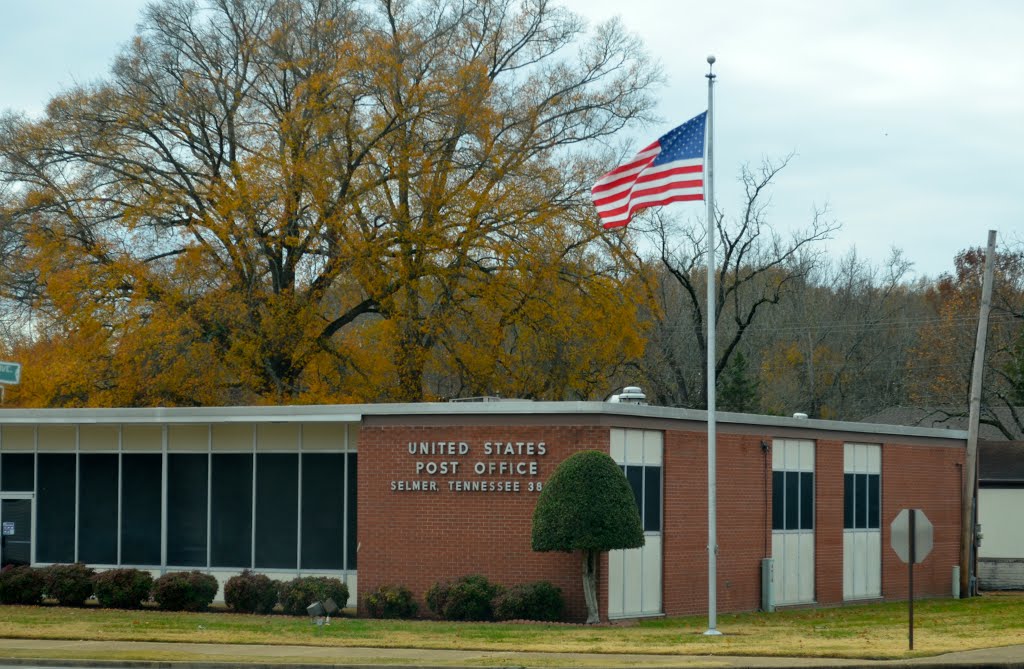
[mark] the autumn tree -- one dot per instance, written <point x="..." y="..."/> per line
<point x="300" y="200"/>
<point x="755" y="267"/>
<point x="943" y="356"/>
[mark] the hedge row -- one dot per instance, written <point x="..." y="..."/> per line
<point x="467" y="598"/>
<point x="471" y="598"/>
<point x="72" y="584"/>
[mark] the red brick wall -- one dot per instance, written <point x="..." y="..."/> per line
<point x="743" y="530"/>
<point x="418" y="538"/>
<point x="829" y="484"/>
<point x="915" y="477"/>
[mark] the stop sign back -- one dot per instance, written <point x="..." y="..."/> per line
<point x="900" y="535"/>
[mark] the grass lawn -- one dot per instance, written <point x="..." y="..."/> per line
<point x="870" y="631"/>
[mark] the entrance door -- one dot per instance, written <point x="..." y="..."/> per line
<point x="862" y="533"/>
<point x="793" y="520"/>
<point x="16" y="542"/>
<point x="634" y="575"/>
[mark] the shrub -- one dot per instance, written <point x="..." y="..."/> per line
<point x="391" y="601"/>
<point x="251" y="593"/>
<point x="468" y="598"/>
<point x="300" y="592"/>
<point x="69" y="584"/>
<point x="184" y="591"/>
<point x="122" y="588"/>
<point x="21" y="585"/>
<point x="532" y="601"/>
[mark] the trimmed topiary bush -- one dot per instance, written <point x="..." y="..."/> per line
<point x="69" y="584"/>
<point x="468" y="598"/>
<point x="532" y="601"/>
<point x="587" y="505"/>
<point x="391" y="601"/>
<point x="251" y="593"/>
<point x="122" y="588"/>
<point x="21" y="585"/>
<point x="298" y="593"/>
<point x="185" y="591"/>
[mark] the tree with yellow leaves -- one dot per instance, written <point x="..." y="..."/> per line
<point x="319" y="200"/>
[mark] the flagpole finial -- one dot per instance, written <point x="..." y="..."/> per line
<point x="711" y="63"/>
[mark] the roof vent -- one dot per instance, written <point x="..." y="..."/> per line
<point x="800" y="415"/>
<point x="630" y="395"/>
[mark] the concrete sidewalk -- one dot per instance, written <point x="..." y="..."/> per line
<point x="31" y="652"/>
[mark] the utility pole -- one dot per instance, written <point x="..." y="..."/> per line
<point x="968" y="496"/>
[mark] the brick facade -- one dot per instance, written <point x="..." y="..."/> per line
<point x="418" y="538"/>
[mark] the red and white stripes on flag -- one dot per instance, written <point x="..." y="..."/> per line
<point x="669" y="170"/>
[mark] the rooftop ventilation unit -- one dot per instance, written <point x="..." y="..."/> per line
<point x="630" y="395"/>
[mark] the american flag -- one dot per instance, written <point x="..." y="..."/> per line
<point x="669" y="170"/>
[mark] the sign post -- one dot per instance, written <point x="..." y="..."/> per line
<point x="911" y="538"/>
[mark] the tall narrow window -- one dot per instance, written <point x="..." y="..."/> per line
<point x="323" y="486"/>
<point x="277" y="510"/>
<point x="97" y="508"/>
<point x="187" y="486"/>
<point x="55" y="508"/>
<point x="231" y="510"/>
<point x="141" y="476"/>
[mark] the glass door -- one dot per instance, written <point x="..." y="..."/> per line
<point x="16" y="524"/>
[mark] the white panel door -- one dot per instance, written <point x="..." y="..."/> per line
<point x="635" y="575"/>
<point x="793" y="520"/>
<point x="862" y="533"/>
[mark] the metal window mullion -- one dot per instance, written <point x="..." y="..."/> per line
<point x="35" y="491"/>
<point x="78" y="487"/>
<point x="298" y="527"/>
<point x="209" y="490"/>
<point x="252" y="524"/>
<point x="120" y="488"/>
<point x="164" y="465"/>
<point x="643" y="515"/>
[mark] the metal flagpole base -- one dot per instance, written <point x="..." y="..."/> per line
<point x="712" y="633"/>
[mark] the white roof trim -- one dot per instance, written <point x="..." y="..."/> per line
<point x="354" y="413"/>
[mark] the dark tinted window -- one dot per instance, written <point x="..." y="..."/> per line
<point x="277" y="509"/>
<point x="141" y="480"/>
<point x="55" y="508"/>
<point x="652" y="499"/>
<point x="778" y="500"/>
<point x="862" y="501"/>
<point x="848" y="513"/>
<point x="635" y="476"/>
<point x="97" y="508"/>
<point x="792" y="500"/>
<point x="231" y="510"/>
<point x="17" y="472"/>
<point x="860" y="486"/>
<point x="806" y="500"/>
<point x="186" y="509"/>
<point x="323" y="481"/>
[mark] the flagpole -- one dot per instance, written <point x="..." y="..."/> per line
<point x="709" y="183"/>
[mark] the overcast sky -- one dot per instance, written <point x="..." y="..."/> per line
<point x="906" y="118"/>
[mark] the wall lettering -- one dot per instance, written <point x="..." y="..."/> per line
<point x="496" y="466"/>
